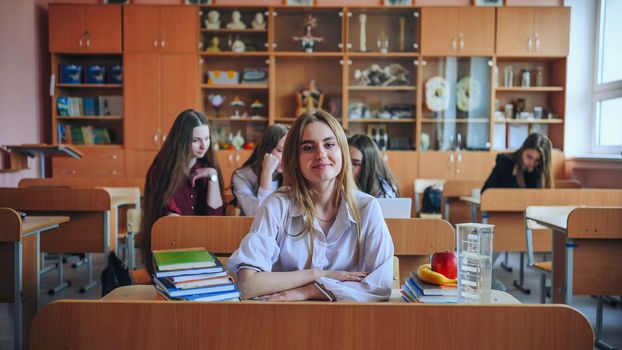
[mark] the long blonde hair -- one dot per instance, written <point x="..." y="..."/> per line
<point x="301" y="192"/>
<point x="543" y="145"/>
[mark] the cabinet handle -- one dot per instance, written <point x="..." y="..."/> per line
<point x="155" y="138"/>
<point x="80" y="42"/>
<point x="424" y="63"/>
<point x="73" y="172"/>
<point x="537" y="42"/>
<point x="114" y="172"/>
<point x="461" y="41"/>
<point x="529" y="44"/>
<point x="200" y="44"/>
<point x="237" y="158"/>
<point x="155" y="42"/>
<point x="114" y="156"/>
<point x="453" y="44"/>
<point x="230" y="158"/>
<point x="87" y="38"/>
<point x="162" y="43"/>
<point x="163" y="137"/>
<point x="340" y="45"/>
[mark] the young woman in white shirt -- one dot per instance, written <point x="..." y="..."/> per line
<point x="318" y="238"/>
<point x="261" y="174"/>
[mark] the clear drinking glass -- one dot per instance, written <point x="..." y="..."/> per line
<point x="474" y="243"/>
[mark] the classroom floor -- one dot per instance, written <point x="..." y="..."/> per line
<point x="612" y="321"/>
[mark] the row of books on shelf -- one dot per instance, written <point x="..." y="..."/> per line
<point x="192" y="274"/>
<point x="415" y="290"/>
<point x="83" y="135"/>
<point x="108" y="105"/>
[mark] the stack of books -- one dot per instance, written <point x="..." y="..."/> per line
<point x="415" y="290"/>
<point x="192" y="274"/>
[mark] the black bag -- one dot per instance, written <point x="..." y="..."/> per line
<point x="431" y="200"/>
<point x="114" y="275"/>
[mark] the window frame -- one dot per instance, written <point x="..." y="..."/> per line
<point x="601" y="92"/>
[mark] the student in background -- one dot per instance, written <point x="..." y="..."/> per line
<point x="528" y="167"/>
<point x="261" y="174"/>
<point x="370" y="171"/>
<point x="184" y="178"/>
<point x="318" y="238"/>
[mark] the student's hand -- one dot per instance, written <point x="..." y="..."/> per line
<point x="295" y="294"/>
<point x="270" y="164"/>
<point x="202" y="173"/>
<point x="343" y="275"/>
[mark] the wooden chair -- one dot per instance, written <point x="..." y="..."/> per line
<point x="83" y="324"/>
<point x="414" y="240"/>
<point x="88" y="231"/>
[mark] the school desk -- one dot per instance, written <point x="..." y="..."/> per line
<point x="587" y="242"/>
<point x="43" y="150"/>
<point x="19" y="266"/>
<point x="414" y="240"/>
<point x="84" y="324"/>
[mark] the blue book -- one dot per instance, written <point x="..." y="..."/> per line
<point x="418" y="295"/>
<point x="166" y="286"/>
<point x="62" y="106"/>
<point x="218" y="296"/>
<point x="95" y="75"/>
<point x="88" y="106"/>
<point x="70" y="74"/>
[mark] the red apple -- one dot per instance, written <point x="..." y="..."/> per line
<point x="445" y="263"/>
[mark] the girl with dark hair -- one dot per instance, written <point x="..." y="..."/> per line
<point x="528" y="167"/>
<point x="184" y="178"/>
<point x="317" y="238"/>
<point x="371" y="173"/>
<point x="261" y="174"/>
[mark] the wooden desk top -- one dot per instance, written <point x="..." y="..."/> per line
<point x="148" y="292"/>
<point x="118" y="200"/>
<point x="37" y="223"/>
<point x="555" y="217"/>
<point x="471" y="200"/>
<point x="55" y="150"/>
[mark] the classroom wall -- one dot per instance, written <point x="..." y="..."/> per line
<point x="24" y="68"/>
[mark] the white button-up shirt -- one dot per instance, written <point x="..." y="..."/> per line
<point x="273" y="245"/>
<point x="246" y="189"/>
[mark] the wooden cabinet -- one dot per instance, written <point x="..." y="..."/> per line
<point x="229" y="161"/>
<point x="157" y="89"/>
<point x="533" y="31"/>
<point x="403" y="165"/>
<point x="85" y="28"/>
<point x="160" y="28"/>
<point x="97" y="162"/>
<point x="137" y="163"/>
<point x="456" y="165"/>
<point x="457" y="31"/>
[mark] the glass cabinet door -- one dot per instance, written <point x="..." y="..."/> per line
<point x="456" y="103"/>
<point x="383" y="31"/>
<point x="308" y="30"/>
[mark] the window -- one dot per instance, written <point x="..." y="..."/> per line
<point x="607" y="132"/>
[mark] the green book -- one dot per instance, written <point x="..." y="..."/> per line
<point x="179" y="259"/>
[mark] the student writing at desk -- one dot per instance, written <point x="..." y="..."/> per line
<point x="184" y="178"/>
<point x="528" y="167"/>
<point x="318" y="238"/>
<point x="261" y="174"/>
<point x="371" y="173"/>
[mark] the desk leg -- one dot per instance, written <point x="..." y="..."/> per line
<point x="17" y="292"/>
<point x="62" y="284"/>
<point x="41" y="165"/>
<point x="474" y="214"/>
<point x="599" y="343"/>
<point x="569" y="262"/>
<point x="446" y="216"/>
<point x="521" y="276"/>
<point x="505" y="264"/>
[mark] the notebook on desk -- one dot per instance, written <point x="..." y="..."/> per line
<point x="395" y="207"/>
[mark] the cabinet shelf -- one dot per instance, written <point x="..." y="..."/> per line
<point x="530" y="89"/>
<point x="382" y="54"/>
<point x="246" y="119"/>
<point x="90" y="86"/>
<point x="529" y="121"/>
<point x="225" y="30"/>
<point x="464" y="120"/>
<point x="308" y="54"/>
<point x="234" y="86"/>
<point x="104" y="118"/>
<point x="382" y="88"/>
<point x="381" y="120"/>
<point x="231" y="53"/>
